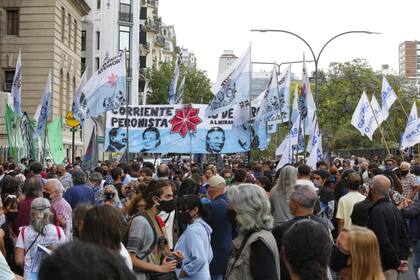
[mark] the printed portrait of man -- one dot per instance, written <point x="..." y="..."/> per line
<point x="117" y="139"/>
<point x="215" y="140"/>
<point x="151" y="139"/>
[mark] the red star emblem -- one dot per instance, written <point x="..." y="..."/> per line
<point x="185" y="120"/>
<point x="112" y="80"/>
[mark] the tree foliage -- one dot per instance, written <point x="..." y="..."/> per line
<point x="197" y="84"/>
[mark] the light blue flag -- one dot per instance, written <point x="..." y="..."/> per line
<point x="295" y="109"/>
<point x="174" y="82"/>
<point x="388" y="97"/>
<point x="284" y="81"/>
<point x="270" y="104"/>
<point x="106" y="89"/>
<point x="362" y="114"/>
<point x="16" y="87"/>
<point x="79" y="106"/>
<point x="44" y="108"/>
<point x="233" y="86"/>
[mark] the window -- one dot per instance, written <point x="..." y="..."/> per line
<point x="12" y="22"/>
<point x="97" y="63"/>
<point x="98" y="40"/>
<point x="143" y="13"/>
<point x="68" y="94"/>
<point x="143" y="38"/>
<point x="124" y="37"/>
<point x="63" y="24"/>
<point x="143" y="61"/>
<point x="164" y="32"/>
<point x="8" y="80"/>
<point x="75" y="35"/>
<point x="60" y="96"/>
<point x="83" y="39"/>
<point x="83" y="64"/>
<point x="125" y="11"/>
<point x="98" y="4"/>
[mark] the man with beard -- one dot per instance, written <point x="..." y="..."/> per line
<point x="117" y="139"/>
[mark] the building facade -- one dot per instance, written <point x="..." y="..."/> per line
<point x="409" y="59"/>
<point x="48" y="34"/>
<point x="226" y="60"/>
<point x="188" y="58"/>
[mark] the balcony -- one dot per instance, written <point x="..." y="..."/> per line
<point x="160" y="40"/>
<point x="125" y="17"/>
<point x="152" y="25"/>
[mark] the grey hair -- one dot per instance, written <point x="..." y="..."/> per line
<point x="406" y="164"/>
<point x="381" y="185"/>
<point x="40" y="214"/>
<point x="252" y="207"/>
<point x="95" y="177"/>
<point x="286" y="181"/>
<point x="305" y="196"/>
<point x="114" y="190"/>
<point x="58" y="186"/>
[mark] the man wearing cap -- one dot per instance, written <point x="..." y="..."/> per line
<point x="222" y="235"/>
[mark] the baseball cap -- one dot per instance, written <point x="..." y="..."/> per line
<point x="216" y="181"/>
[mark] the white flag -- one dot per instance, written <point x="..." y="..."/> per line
<point x="16" y="87"/>
<point x="284" y="81"/>
<point x="315" y="154"/>
<point x="287" y="153"/>
<point x="79" y="106"/>
<point x="44" y="108"/>
<point x="375" y="120"/>
<point x="180" y="91"/>
<point x="361" y="114"/>
<point x="174" y="82"/>
<point x="388" y="98"/>
<point x="233" y="86"/>
<point x="306" y="101"/>
<point x="145" y="92"/>
<point x="411" y="134"/>
<point x="292" y="136"/>
<point x="270" y="105"/>
<point x="106" y="89"/>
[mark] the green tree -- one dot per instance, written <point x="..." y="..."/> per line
<point x="197" y="84"/>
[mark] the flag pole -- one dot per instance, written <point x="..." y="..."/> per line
<point x="380" y="128"/>
<point x="126" y="108"/>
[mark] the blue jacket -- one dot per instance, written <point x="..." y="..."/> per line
<point x="223" y="233"/>
<point x="195" y="244"/>
<point x="79" y="194"/>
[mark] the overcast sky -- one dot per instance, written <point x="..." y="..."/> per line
<point x="207" y="27"/>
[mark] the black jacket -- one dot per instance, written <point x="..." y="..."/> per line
<point x="387" y="222"/>
<point x="413" y="213"/>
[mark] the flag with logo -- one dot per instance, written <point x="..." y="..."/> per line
<point x="16" y="87"/>
<point x="411" y="134"/>
<point x="287" y="153"/>
<point x="284" y="96"/>
<point x="174" y="82"/>
<point x="295" y="109"/>
<point x="106" y="89"/>
<point x="306" y="101"/>
<point x="233" y="86"/>
<point x="270" y="105"/>
<point x="375" y="120"/>
<point x="361" y="114"/>
<point x="388" y="97"/>
<point x="315" y="134"/>
<point x="315" y="154"/>
<point x="44" y="108"/>
<point x="79" y="106"/>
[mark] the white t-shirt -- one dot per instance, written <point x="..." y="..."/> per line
<point x="306" y="182"/>
<point x="5" y="272"/>
<point x="345" y="206"/>
<point x="126" y="256"/>
<point x="49" y="239"/>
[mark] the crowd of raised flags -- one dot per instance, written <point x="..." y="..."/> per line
<point x="368" y="116"/>
<point x="106" y="90"/>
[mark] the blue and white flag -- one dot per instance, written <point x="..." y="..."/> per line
<point x="306" y="101"/>
<point x="270" y="105"/>
<point x="174" y="82"/>
<point x="287" y="153"/>
<point x="361" y="114"/>
<point x="375" y="120"/>
<point x="233" y="86"/>
<point x="79" y="106"/>
<point x="283" y="114"/>
<point x="388" y="97"/>
<point x="315" y="134"/>
<point x="295" y="109"/>
<point x="180" y="91"/>
<point x="411" y="134"/>
<point x="44" y="108"/>
<point x="293" y="137"/>
<point x="16" y="87"/>
<point x="106" y="89"/>
<point x="315" y="154"/>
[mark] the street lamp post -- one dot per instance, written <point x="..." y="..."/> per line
<point x="315" y="58"/>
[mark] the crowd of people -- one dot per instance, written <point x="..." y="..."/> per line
<point x="348" y="219"/>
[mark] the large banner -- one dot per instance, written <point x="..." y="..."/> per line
<point x="179" y="129"/>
